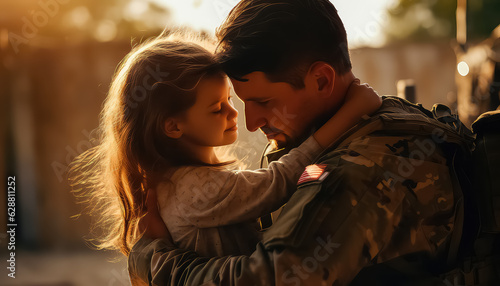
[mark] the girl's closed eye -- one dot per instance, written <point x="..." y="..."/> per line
<point x="219" y="109"/>
<point x="264" y="102"/>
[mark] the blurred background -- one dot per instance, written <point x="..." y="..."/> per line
<point x="57" y="58"/>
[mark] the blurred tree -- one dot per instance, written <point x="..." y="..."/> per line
<point x="422" y="20"/>
<point x="482" y="18"/>
<point x="112" y="19"/>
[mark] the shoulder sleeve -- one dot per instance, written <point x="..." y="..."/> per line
<point x="210" y="197"/>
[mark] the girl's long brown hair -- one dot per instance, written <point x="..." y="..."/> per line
<point x="156" y="80"/>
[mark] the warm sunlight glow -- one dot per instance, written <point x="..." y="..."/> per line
<point x="364" y="26"/>
<point x="79" y="17"/>
<point x="135" y="9"/>
<point x="106" y="31"/>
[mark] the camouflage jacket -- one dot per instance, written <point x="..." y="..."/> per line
<point x="382" y="192"/>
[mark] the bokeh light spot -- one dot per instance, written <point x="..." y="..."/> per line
<point x="463" y="68"/>
<point x="105" y="31"/>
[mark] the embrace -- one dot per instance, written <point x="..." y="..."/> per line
<point x="363" y="183"/>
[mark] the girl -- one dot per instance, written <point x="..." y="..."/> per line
<point x="168" y="106"/>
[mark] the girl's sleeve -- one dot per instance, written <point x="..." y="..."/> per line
<point x="208" y="197"/>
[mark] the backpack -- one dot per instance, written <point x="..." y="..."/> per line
<point x="473" y="256"/>
<point x="478" y="254"/>
<point x="474" y="250"/>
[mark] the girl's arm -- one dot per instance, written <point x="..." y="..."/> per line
<point x="360" y="100"/>
<point x="209" y="197"/>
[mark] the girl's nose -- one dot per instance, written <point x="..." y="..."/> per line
<point x="232" y="112"/>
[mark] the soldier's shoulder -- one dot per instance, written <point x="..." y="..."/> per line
<point x="380" y="142"/>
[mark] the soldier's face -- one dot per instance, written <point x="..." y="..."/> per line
<point x="283" y="113"/>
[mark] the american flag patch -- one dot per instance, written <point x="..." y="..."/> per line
<point x="313" y="173"/>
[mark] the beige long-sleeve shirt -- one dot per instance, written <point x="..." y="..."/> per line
<point x="213" y="211"/>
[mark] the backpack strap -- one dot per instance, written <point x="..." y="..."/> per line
<point x="393" y="118"/>
<point x="461" y="176"/>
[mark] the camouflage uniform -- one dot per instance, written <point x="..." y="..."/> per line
<point x="384" y="192"/>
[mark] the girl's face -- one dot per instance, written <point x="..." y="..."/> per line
<point x="212" y="120"/>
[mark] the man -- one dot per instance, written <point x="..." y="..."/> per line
<point x="378" y="206"/>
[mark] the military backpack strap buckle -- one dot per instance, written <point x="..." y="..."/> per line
<point x="444" y="114"/>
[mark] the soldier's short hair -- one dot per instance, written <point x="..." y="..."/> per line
<point x="282" y="39"/>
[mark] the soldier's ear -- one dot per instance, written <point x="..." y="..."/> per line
<point x="320" y="79"/>
<point x="173" y="128"/>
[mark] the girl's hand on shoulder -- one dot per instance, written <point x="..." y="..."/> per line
<point x="363" y="96"/>
<point x="359" y="100"/>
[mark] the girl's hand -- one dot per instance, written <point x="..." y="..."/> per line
<point x="363" y="97"/>
<point x="359" y="100"/>
<point x="152" y="224"/>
